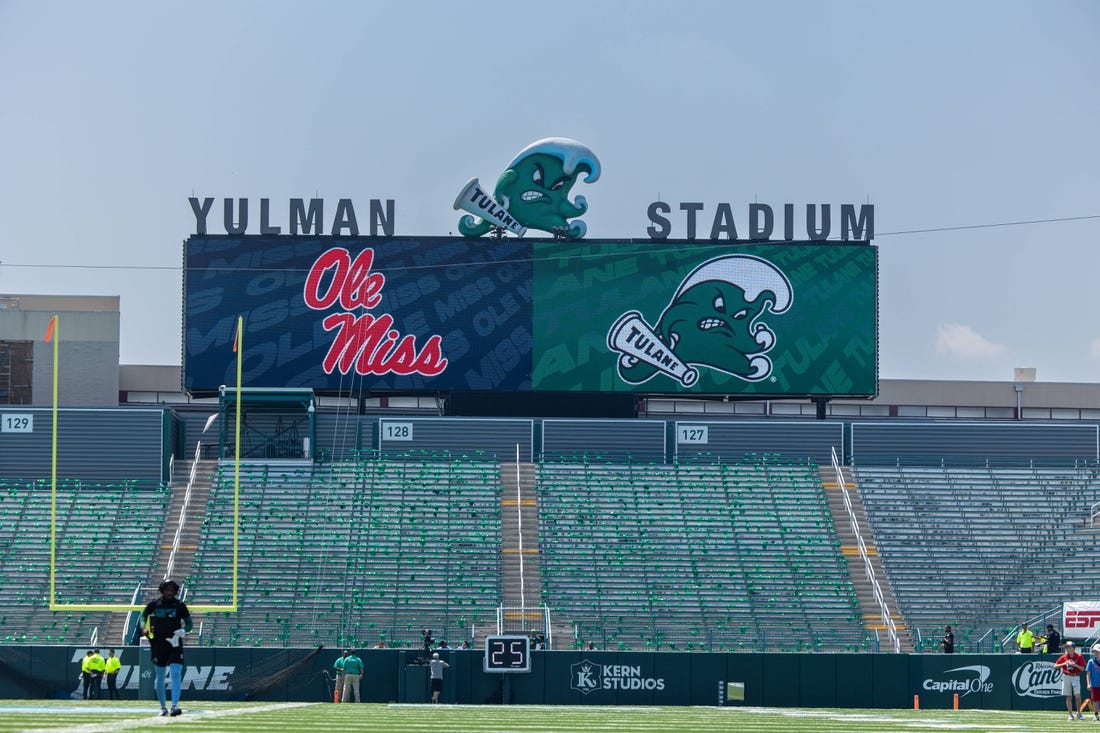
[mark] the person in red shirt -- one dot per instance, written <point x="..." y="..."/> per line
<point x="1072" y="664"/>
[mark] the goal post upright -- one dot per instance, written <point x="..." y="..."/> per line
<point x="53" y="334"/>
<point x="238" y="346"/>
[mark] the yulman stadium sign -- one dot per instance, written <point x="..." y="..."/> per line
<point x="533" y="193"/>
<point x="491" y="310"/>
<point x="307" y="217"/>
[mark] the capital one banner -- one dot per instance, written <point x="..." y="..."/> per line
<point x="441" y="314"/>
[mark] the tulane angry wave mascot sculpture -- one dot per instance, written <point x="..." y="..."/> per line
<point x="533" y="192"/>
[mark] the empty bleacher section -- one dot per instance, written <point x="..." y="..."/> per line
<point x="106" y="538"/>
<point x="980" y="524"/>
<point x="709" y="556"/>
<point x="982" y="548"/>
<point x="681" y="534"/>
<point x="351" y="552"/>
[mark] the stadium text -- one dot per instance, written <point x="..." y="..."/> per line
<point x="1037" y="679"/>
<point x="761" y="221"/>
<point x="303" y="219"/>
<point x="586" y="677"/>
<point x="1082" y="619"/>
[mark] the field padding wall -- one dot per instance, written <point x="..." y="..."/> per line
<point x="994" y="681"/>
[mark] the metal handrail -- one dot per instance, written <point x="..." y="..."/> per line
<point x="1010" y="637"/>
<point x="171" y="564"/>
<point x="876" y="589"/>
<point x="130" y="616"/>
<point x="980" y="639"/>
<point x="1094" y="512"/>
<point x="519" y="537"/>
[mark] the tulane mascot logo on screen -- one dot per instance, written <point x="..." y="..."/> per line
<point x="714" y="320"/>
<point x="533" y="193"/>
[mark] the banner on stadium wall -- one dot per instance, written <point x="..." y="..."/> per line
<point x="1080" y="618"/>
<point x="985" y="681"/>
<point x="443" y="314"/>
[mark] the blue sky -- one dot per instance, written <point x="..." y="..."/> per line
<point x="942" y="114"/>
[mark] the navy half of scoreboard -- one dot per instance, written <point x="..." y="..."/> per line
<point x="507" y="654"/>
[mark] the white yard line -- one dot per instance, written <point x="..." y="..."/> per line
<point x="115" y="725"/>
<point x="870" y="717"/>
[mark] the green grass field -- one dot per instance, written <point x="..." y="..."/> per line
<point x="107" y="717"/>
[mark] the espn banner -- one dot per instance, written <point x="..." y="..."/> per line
<point x="1080" y="618"/>
<point x="442" y="314"/>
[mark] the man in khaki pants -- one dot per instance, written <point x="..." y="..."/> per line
<point x="353" y="671"/>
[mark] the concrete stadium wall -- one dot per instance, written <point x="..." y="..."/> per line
<point x="96" y="445"/>
<point x="993" y="681"/>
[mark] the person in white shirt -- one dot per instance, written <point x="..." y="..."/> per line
<point x="437" y="666"/>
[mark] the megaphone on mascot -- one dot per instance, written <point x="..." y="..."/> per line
<point x="473" y="199"/>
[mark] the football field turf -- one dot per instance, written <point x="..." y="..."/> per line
<point x="106" y="717"/>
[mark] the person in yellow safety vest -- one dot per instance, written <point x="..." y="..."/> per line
<point x="112" y="665"/>
<point x="97" y="664"/>
<point x="1025" y="640"/>
<point x="86" y="674"/>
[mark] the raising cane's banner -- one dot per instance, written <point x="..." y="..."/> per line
<point x="442" y="314"/>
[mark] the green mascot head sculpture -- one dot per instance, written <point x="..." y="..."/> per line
<point x="534" y="192"/>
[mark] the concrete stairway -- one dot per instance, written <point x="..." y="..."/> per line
<point x="516" y="507"/>
<point x="200" y="493"/>
<point x="522" y="507"/>
<point x="196" y="512"/>
<point x="849" y="547"/>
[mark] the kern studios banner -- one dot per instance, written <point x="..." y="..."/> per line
<point x="441" y="314"/>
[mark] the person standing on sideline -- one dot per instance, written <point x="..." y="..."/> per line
<point x="1025" y="640"/>
<point x="1092" y="669"/>
<point x="338" y="665"/>
<point x="166" y="620"/>
<point x="353" y="672"/>
<point x="1054" y="640"/>
<point x="86" y="674"/>
<point x="947" y="643"/>
<point x="111" y="666"/>
<point x="97" y="664"/>
<point x="1072" y="665"/>
<point x="437" y="665"/>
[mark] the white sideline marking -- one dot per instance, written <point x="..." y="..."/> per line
<point x="167" y="720"/>
<point x="933" y="723"/>
<point x="535" y="708"/>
